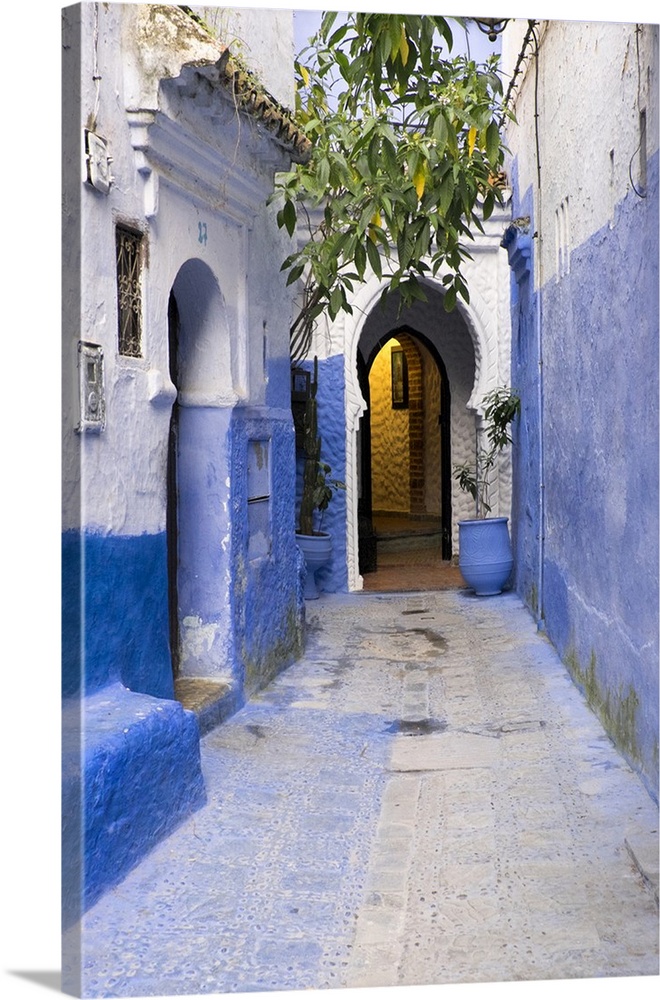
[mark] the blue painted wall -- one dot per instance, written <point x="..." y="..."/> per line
<point x="600" y="434"/>
<point x="131" y="768"/>
<point x="115" y="623"/>
<point x="525" y="512"/>
<point x="131" y="774"/>
<point x="267" y="589"/>
<point x="131" y="761"/>
<point x="332" y="430"/>
<point x="204" y="513"/>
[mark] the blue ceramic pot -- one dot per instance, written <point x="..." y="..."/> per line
<point x="317" y="550"/>
<point x="485" y="558"/>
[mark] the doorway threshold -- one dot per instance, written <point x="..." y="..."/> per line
<point x="412" y="569"/>
<point x="212" y="701"/>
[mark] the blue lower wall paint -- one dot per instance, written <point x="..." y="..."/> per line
<point x="268" y="609"/>
<point x="332" y="430"/>
<point x="600" y="422"/>
<point x="204" y="513"/>
<point x="525" y="510"/>
<point x="131" y="774"/>
<point x="131" y="762"/>
<point x="115" y="624"/>
<point x="131" y="766"/>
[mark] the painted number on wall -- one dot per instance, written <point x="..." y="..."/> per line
<point x="202" y="232"/>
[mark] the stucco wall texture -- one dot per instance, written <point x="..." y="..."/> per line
<point x="233" y="347"/>
<point x="432" y="433"/>
<point x="587" y="560"/>
<point x="332" y="430"/>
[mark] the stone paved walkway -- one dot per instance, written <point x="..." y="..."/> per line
<point x="423" y="799"/>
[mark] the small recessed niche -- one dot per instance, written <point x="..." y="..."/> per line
<point x="258" y="499"/>
<point x="91" y="388"/>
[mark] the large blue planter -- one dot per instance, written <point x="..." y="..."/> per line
<point x="317" y="550"/>
<point x="485" y="558"/>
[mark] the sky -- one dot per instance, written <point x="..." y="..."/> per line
<point x="305" y="23"/>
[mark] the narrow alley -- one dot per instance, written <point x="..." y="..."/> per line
<point x="424" y="798"/>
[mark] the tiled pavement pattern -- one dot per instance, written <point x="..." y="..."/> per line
<point x="424" y="798"/>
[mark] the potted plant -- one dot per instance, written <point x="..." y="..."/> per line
<point x="317" y="492"/>
<point x="485" y="557"/>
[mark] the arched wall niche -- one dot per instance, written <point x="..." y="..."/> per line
<point x="205" y="362"/>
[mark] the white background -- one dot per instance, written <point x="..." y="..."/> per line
<point x="29" y="555"/>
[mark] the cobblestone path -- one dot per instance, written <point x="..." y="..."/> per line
<point x="423" y="798"/>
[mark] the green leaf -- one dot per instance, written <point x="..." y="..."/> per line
<point x="395" y="37"/>
<point x="414" y="291"/>
<point x="440" y="133"/>
<point x="344" y="65"/>
<point x="445" y="31"/>
<point x="336" y="300"/>
<point x="323" y="172"/>
<point x="327" y="22"/>
<point x="446" y="193"/>
<point x="374" y="258"/>
<point x="492" y="143"/>
<point x="287" y="217"/>
<point x="295" y="273"/>
<point x="405" y="246"/>
<point x="389" y="159"/>
<point x="423" y="239"/>
<point x="338" y="35"/>
<point x="361" y="260"/>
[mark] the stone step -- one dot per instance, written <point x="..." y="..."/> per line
<point x="130" y="762"/>
<point x="211" y="700"/>
<point x="413" y="541"/>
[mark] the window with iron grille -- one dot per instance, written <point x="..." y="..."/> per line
<point x="129" y="291"/>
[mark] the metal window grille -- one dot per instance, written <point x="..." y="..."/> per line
<point x="129" y="291"/>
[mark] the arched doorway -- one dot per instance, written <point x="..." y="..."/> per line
<point x="405" y="450"/>
<point x="467" y="342"/>
<point x="198" y="476"/>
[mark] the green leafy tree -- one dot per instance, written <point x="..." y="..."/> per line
<point x="406" y="150"/>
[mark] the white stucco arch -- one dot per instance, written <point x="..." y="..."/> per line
<point x="486" y="321"/>
<point x="206" y="358"/>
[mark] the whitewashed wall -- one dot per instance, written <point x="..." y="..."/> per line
<point x="191" y="205"/>
<point x="589" y="125"/>
<point x="262" y="38"/>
